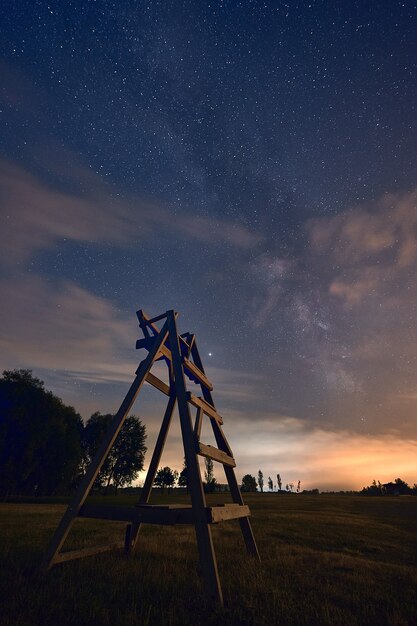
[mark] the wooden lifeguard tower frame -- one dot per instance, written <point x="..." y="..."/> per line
<point x="181" y="355"/>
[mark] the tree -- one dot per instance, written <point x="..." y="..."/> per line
<point x="126" y="457"/>
<point x="402" y="486"/>
<point x="375" y="489"/>
<point x="248" y="483"/>
<point x="166" y="477"/>
<point x="299" y="486"/>
<point x="396" y="488"/>
<point x="40" y="438"/>
<point x="183" y="477"/>
<point x="279" y="482"/>
<point x="209" y="476"/>
<point x="261" y="481"/>
<point x="270" y="484"/>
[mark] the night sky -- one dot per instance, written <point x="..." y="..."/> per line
<point x="251" y="165"/>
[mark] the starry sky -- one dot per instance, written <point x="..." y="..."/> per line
<point x="251" y="165"/>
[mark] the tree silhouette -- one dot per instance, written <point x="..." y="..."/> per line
<point x="183" y="477"/>
<point x="40" y="447"/>
<point x="165" y="477"/>
<point x="261" y="481"/>
<point x="209" y="476"/>
<point x="127" y="455"/>
<point x="248" y="483"/>
<point x="279" y="482"/>
<point x="270" y="484"/>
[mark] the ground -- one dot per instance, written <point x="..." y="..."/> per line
<point x="325" y="560"/>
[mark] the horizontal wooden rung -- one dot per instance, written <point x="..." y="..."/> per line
<point x="207" y="408"/>
<point x="157" y="383"/>
<point x="217" y="455"/>
<point x="141" y="514"/>
<point x="79" y="554"/>
<point x="196" y="374"/>
<point x="225" y="512"/>
<point x="151" y="514"/>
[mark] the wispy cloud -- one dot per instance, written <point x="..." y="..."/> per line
<point x="63" y="327"/>
<point x="36" y="214"/>
<point x="367" y="248"/>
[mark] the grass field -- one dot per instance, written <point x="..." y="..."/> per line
<point x="325" y="560"/>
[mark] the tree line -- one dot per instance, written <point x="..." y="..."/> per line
<point x="398" y="487"/>
<point x="250" y="484"/>
<point x="45" y="447"/>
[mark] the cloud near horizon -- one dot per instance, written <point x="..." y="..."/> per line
<point x="322" y="458"/>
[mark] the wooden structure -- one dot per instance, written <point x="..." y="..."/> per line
<point x="182" y="358"/>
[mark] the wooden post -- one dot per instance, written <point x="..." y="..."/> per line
<point x="202" y="528"/>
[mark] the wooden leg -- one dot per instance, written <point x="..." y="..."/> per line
<point x="153" y="467"/>
<point x="202" y="528"/>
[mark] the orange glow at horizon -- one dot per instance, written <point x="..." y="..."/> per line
<point x="327" y="460"/>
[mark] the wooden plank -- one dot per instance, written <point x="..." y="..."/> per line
<point x="152" y="320"/>
<point x="227" y="512"/>
<point x="214" y="453"/>
<point x="146" y="322"/>
<point x="157" y="383"/>
<point x="207" y="408"/>
<point x="140" y="514"/>
<point x="167" y="515"/>
<point x="198" y="423"/>
<point x="202" y="528"/>
<point x="101" y="454"/>
<point x="195" y="372"/>
<point x="61" y="557"/>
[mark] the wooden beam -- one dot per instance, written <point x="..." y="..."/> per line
<point x="157" y="383"/>
<point x="166" y="515"/>
<point x="227" y="512"/>
<point x="198" y="423"/>
<point x="207" y="408"/>
<point x="141" y="514"/>
<point x="195" y="372"/>
<point x="214" y="453"/>
<point x="61" y="557"/>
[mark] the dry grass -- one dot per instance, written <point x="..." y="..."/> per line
<point x="325" y="560"/>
